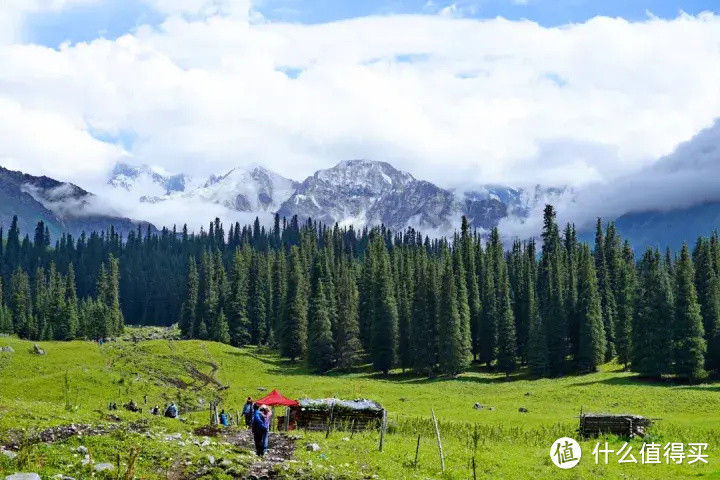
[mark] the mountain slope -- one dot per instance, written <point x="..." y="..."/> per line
<point x="146" y="181"/>
<point x="64" y="207"/>
<point x="255" y="189"/>
<point x="363" y="192"/>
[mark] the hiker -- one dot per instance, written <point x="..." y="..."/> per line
<point x="132" y="406"/>
<point x="171" y="411"/>
<point x="260" y="431"/>
<point x="268" y="422"/>
<point x="223" y="418"/>
<point x="248" y="411"/>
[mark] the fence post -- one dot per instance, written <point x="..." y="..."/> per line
<point x="439" y="443"/>
<point x="382" y="430"/>
<point x="417" y="451"/>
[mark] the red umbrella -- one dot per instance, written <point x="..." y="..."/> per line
<point x="276" y="398"/>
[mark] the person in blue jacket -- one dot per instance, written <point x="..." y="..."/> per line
<point x="224" y="419"/>
<point x="260" y="431"/>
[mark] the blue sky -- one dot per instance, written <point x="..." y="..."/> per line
<point x="112" y="18"/>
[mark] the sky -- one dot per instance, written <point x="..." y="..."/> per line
<point x="585" y="93"/>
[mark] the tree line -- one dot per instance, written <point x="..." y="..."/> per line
<point x="336" y="297"/>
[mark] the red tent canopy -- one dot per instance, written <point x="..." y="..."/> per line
<point x="276" y="398"/>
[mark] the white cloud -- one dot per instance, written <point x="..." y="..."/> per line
<point x="477" y="102"/>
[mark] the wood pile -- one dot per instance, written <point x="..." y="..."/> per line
<point x="596" y="424"/>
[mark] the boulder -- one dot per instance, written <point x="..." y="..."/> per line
<point x="9" y="454"/>
<point x="37" y="350"/>
<point x="23" y="476"/>
<point x="7" y="349"/>
<point x="312" y="447"/>
<point x="477" y="406"/>
<point x="101" y="467"/>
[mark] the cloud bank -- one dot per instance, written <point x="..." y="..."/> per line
<point x="455" y="101"/>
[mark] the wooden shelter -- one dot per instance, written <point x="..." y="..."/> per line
<point x="596" y="424"/>
<point x="337" y="414"/>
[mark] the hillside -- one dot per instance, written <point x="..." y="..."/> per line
<point x="74" y="382"/>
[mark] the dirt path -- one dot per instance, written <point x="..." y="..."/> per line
<point x="281" y="449"/>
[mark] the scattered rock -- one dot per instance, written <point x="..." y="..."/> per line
<point x="211" y="460"/>
<point x="492" y="409"/>
<point x="7" y="349"/>
<point x="528" y="394"/>
<point x="312" y="447"/>
<point x="82" y="450"/>
<point x="477" y="406"/>
<point x="101" y="467"/>
<point x="23" y="476"/>
<point x="346" y="439"/>
<point x="523" y="410"/>
<point x="174" y="436"/>
<point x="262" y="389"/>
<point x="226" y="463"/>
<point x="9" y="454"/>
<point x="37" y="350"/>
<point x="403" y="399"/>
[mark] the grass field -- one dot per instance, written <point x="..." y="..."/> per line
<point x="74" y="382"/>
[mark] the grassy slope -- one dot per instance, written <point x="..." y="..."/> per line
<point x="33" y="391"/>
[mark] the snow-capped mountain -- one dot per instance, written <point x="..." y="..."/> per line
<point x="353" y="192"/>
<point x="148" y="182"/>
<point x="252" y="189"/>
<point x="363" y="192"/>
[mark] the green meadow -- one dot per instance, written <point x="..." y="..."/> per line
<point x="74" y="382"/>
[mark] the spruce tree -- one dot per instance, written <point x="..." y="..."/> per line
<point x="320" y="341"/>
<point x="471" y="281"/>
<point x="488" y="326"/>
<point x="112" y="301"/>
<point x="625" y="301"/>
<point x="404" y="285"/>
<point x="293" y="342"/>
<point x="463" y="307"/>
<point x="383" y="348"/>
<point x="689" y="346"/>
<point x="571" y="289"/>
<point x="347" y="333"/>
<point x="591" y="341"/>
<point x="70" y="322"/>
<point x="258" y="308"/>
<point x="208" y="295"/>
<point x="606" y="294"/>
<point x="188" y="316"/>
<point x="706" y="285"/>
<point x="220" y="332"/>
<point x="551" y="288"/>
<point x="424" y="337"/>
<point x="238" y="320"/>
<point x="452" y="355"/>
<point x="537" y="340"/>
<point x="652" y="339"/>
<point x="507" y="346"/>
